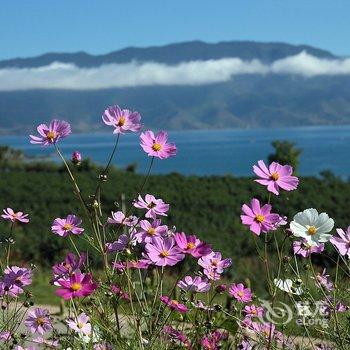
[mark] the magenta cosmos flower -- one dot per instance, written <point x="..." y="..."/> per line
<point x="253" y="311"/>
<point x="240" y="293"/>
<point x="342" y="242"/>
<point x="57" y="129"/>
<point x="173" y="304"/>
<point x="9" y="214"/>
<point x="157" y="146"/>
<point x="260" y="219"/>
<point x="70" y="224"/>
<point x="213" y="265"/>
<point x="153" y="206"/>
<point x="304" y="249"/>
<point x="148" y="230"/>
<point x="196" y="284"/>
<point x="118" y="245"/>
<point x="276" y="176"/>
<point x="38" y="321"/>
<point x="77" y="286"/>
<point x="122" y="120"/>
<point x="76" y="157"/>
<point x="71" y="264"/>
<point x="163" y="252"/>
<point x="15" y="278"/>
<point x="192" y="245"/>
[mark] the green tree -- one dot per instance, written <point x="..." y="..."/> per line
<point x="286" y="152"/>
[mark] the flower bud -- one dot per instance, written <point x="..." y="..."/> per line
<point x="221" y="288"/>
<point x="76" y="157"/>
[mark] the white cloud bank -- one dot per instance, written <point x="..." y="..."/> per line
<point x="68" y="76"/>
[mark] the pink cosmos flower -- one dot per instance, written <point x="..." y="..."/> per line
<point x="259" y="219"/>
<point x="9" y="214"/>
<point x="342" y="242"/>
<point x="196" y="284"/>
<point x="192" y="245"/>
<point x="38" y="321"/>
<point x="119" y="292"/>
<point x="212" y="341"/>
<point x="70" y="224"/>
<point x="240" y="293"/>
<point x="122" y="120"/>
<point x="71" y="264"/>
<point x="5" y="336"/>
<point x="119" y="245"/>
<point x="119" y="218"/>
<point x="213" y="265"/>
<point x="198" y="304"/>
<point x="276" y="176"/>
<point x="177" y="336"/>
<point x="78" y="285"/>
<point x="81" y="324"/>
<point x="76" y="157"/>
<point x="58" y="129"/>
<point x="141" y="264"/>
<point x="173" y="304"/>
<point x="46" y="342"/>
<point x="163" y="252"/>
<point x="322" y="280"/>
<point x="19" y="347"/>
<point x="153" y="206"/>
<point x="157" y="146"/>
<point x="149" y="230"/>
<point x="304" y="249"/>
<point x="15" y="278"/>
<point x="253" y="311"/>
<point x="267" y="330"/>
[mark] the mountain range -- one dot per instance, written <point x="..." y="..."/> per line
<point x="252" y="98"/>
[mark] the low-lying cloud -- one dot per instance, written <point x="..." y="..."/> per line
<point x="68" y="76"/>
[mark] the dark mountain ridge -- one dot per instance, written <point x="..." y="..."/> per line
<point x="173" y="54"/>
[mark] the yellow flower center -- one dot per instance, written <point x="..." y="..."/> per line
<point x="67" y="266"/>
<point x="190" y="245"/>
<point x="253" y="311"/>
<point x="151" y="231"/>
<point x="164" y="253"/>
<point x="67" y="227"/>
<point x="121" y="121"/>
<point x="215" y="262"/>
<point x="260" y="218"/>
<point x="240" y="294"/>
<point x="157" y="147"/>
<point x="75" y="286"/>
<point x="175" y="302"/>
<point x="151" y="205"/>
<point x="312" y="230"/>
<point x="275" y="176"/>
<point x="80" y="325"/>
<point x="40" y="321"/>
<point x="51" y="135"/>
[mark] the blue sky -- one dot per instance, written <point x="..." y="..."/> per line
<point x="32" y="27"/>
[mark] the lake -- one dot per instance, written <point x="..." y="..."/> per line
<point x="211" y="152"/>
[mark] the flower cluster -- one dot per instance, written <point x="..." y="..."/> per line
<point x="129" y="289"/>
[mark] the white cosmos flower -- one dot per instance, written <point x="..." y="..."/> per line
<point x="311" y="226"/>
<point x="287" y="286"/>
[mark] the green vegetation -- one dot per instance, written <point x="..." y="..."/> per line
<point x="207" y="206"/>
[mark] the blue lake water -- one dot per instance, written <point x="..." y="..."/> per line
<point x="211" y="152"/>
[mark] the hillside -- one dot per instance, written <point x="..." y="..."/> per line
<point x="242" y="101"/>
